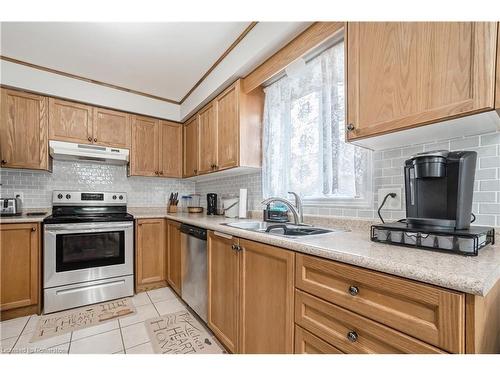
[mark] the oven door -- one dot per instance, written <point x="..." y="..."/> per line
<point x="81" y="252"/>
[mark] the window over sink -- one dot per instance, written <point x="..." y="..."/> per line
<point x="304" y="148"/>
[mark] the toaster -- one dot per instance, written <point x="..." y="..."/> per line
<point x="11" y="206"/>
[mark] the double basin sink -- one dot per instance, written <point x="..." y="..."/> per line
<point x="281" y="229"/>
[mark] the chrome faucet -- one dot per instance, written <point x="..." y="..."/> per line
<point x="298" y="216"/>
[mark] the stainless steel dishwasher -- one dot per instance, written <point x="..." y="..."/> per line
<point x="194" y="289"/>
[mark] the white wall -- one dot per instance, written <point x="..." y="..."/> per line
<point x="27" y="78"/>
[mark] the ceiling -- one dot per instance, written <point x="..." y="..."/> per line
<point x="161" y="59"/>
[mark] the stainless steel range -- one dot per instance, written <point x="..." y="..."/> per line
<point x="88" y="249"/>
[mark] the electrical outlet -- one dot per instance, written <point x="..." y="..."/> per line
<point x="21" y="195"/>
<point x="390" y="203"/>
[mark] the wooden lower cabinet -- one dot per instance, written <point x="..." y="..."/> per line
<point x="150" y="254"/>
<point x="174" y="256"/>
<point x="223" y="289"/>
<point x="350" y="332"/>
<point x="267" y="287"/>
<point x="307" y="343"/>
<point x="19" y="269"/>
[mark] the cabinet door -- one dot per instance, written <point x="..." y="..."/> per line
<point x="223" y="287"/>
<point x="207" y="157"/>
<point x="144" y="155"/>
<point x="307" y="343"/>
<point x="68" y="121"/>
<point x="19" y="265"/>
<point x="497" y="104"/>
<point x="228" y="128"/>
<point x="191" y="147"/>
<point x="405" y="74"/>
<point x="267" y="292"/>
<point x="111" y="128"/>
<point x="23" y="130"/>
<point x="170" y="149"/>
<point x="174" y="265"/>
<point x="150" y="251"/>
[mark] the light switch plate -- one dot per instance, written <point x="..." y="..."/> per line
<point x="390" y="203"/>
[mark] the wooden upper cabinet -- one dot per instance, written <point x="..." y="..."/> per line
<point x="19" y="265"/>
<point x="267" y="295"/>
<point x="207" y="157"/>
<point x="69" y="121"/>
<point x="223" y="289"/>
<point x="405" y="74"/>
<point x="145" y="142"/>
<point x="228" y="128"/>
<point x="191" y="148"/>
<point x="23" y="130"/>
<point x="111" y="128"/>
<point x="170" y="152"/>
<point x="174" y="256"/>
<point x="150" y="251"/>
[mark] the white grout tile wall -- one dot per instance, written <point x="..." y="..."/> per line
<point x="388" y="172"/>
<point x="37" y="186"/>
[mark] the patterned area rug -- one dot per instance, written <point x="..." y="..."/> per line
<point x="84" y="317"/>
<point x="180" y="333"/>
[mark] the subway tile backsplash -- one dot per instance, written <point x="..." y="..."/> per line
<point x="388" y="172"/>
<point x="153" y="192"/>
<point x="37" y="186"/>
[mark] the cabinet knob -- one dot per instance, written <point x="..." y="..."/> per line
<point x="353" y="290"/>
<point x="352" y="336"/>
<point x="4" y="162"/>
<point x="95" y="139"/>
<point x="33" y="229"/>
<point x="195" y="171"/>
<point x="90" y="139"/>
<point x="350" y="127"/>
<point x="157" y="173"/>
<point x="161" y="173"/>
<point x="233" y="246"/>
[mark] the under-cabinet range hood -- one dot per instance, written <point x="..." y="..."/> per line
<point x="91" y="153"/>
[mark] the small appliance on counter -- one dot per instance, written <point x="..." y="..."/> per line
<point x="11" y="206"/>
<point x="194" y="206"/>
<point x="276" y="213"/>
<point x="211" y="204"/>
<point x="438" y="188"/>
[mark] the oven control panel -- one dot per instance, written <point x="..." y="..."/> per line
<point x="80" y="198"/>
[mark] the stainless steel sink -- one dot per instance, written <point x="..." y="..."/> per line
<point x="285" y="229"/>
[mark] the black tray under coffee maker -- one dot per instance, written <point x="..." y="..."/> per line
<point x="438" y="190"/>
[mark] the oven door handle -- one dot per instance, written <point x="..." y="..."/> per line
<point x="61" y="228"/>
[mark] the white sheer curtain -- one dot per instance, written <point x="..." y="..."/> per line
<point x="303" y="141"/>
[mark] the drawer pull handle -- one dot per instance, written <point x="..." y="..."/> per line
<point x="352" y="336"/>
<point x="350" y="127"/>
<point x="353" y="290"/>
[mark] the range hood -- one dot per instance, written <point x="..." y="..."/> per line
<point x="91" y="153"/>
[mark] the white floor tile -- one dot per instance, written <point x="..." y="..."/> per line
<point x="23" y="346"/>
<point x="143" y="312"/>
<point x="7" y="344"/>
<point x="162" y="294"/>
<point x="94" y="330"/>
<point x="141" y="299"/>
<point x="103" y="343"/>
<point x="134" y="335"/>
<point x="12" y="327"/>
<point x="168" y="307"/>
<point x="32" y="323"/>
<point x="146" y="348"/>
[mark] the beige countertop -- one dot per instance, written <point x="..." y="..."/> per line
<point x="474" y="275"/>
<point x="18" y="219"/>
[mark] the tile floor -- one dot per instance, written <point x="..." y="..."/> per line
<point x="126" y="335"/>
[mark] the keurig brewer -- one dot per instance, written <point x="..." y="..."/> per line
<point x="438" y="195"/>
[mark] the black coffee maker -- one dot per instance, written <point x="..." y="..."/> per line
<point x="211" y="204"/>
<point x="439" y="187"/>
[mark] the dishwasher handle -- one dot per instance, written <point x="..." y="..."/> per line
<point x="194" y="231"/>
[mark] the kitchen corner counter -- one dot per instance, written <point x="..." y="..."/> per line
<point x="25" y="218"/>
<point x="474" y="275"/>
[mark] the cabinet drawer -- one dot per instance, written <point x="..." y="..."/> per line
<point x="307" y="343"/>
<point x="350" y="332"/>
<point x="431" y="314"/>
